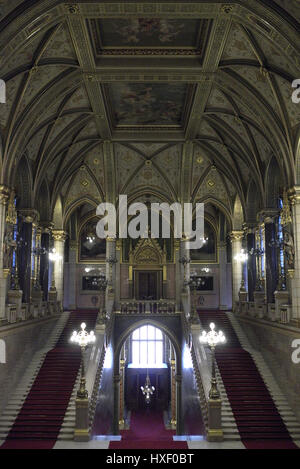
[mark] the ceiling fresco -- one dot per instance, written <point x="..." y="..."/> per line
<point x="140" y="104"/>
<point x="148" y="32"/>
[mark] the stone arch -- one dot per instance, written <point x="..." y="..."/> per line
<point x="152" y="322"/>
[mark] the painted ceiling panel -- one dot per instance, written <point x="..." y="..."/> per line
<point x="142" y="104"/>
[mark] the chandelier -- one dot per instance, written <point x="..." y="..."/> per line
<point x="147" y="389"/>
<point x="83" y="338"/>
<point x="212" y="339"/>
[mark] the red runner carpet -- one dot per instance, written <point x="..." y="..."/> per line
<point x="39" y="421"/>
<point x="147" y="431"/>
<point x="258" y="420"/>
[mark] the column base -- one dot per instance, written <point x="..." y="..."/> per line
<point x="82" y="431"/>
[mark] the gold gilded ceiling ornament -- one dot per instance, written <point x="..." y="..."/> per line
<point x="286" y="215"/>
<point x="211" y="183"/>
<point x="227" y="9"/>
<point x="73" y="9"/>
<point x="96" y="161"/>
<point x="200" y="159"/>
<point x="148" y="163"/>
<point x="84" y="182"/>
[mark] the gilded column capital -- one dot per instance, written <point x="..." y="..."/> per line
<point x="4" y="194"/>
<point x="46" y="226"/>
<point x="59" y="235"/>
<point x="249" y="228"/>
<point x="236" y="235"/>
<point x="294" y="195"/>
<point x="30" y="215"/>
<point x="268" y="215"/>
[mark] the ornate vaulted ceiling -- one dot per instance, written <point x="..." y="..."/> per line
<point x="177" y="100"/>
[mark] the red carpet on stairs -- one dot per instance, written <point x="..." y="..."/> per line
<point x="258" y="420"/>
<point x="147" y="431"/>
<point x="39" y="421"/>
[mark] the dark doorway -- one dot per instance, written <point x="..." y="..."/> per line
<point x="134" y="398"/>
<point x="147" y="283"/>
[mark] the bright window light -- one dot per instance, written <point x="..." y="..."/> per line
<point x="147" y="347"/>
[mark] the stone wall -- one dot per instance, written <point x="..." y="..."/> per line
<point x="22" y="341"/>
<point x="275" y="343"/>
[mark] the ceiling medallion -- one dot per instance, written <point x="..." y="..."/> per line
<point x="148" y="163"/>
<point x="84" y="183"/>
<point x="210" y="183"/>
<point x="200" y="159"/>
<point x="96" y="161"/>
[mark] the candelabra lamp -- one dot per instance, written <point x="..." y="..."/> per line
<point x="212" y="339"/>
<point x="83" y="339"/>
<point x="147" y="389"/>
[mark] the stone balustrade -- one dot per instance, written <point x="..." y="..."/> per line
<point x="147" y="307"/>
<point x="25" y="311"/>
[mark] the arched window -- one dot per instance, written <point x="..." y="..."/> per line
<point x="147" y="347"/>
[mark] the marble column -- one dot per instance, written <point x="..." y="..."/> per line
<point x="116" y="428"/>
<point x="4" y="195"/>
<point x="237" y="266"/>
<point x="173" y="391"/>
<point x="59" y="237"/>
<point x="25" y="263"/>
<point x="294" y="274"/>
<point x="118" y="274"/>
<point x="111" y="261"/>
<point x="184" y="262"/>
<point x="223" y="276"/>
<point x="271" y="259"/>
<point x="251" y="263"/>
<point x="179" y="426"/>
<point x="44" y="259"/>
<point x="177" y="273"/>
<point x="73" y="246"/>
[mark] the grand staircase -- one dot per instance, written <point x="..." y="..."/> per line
<point x="259" y="408"/>
<point x="38" y="409"/>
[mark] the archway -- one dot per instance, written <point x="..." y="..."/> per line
<point x="147" y="348"/>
